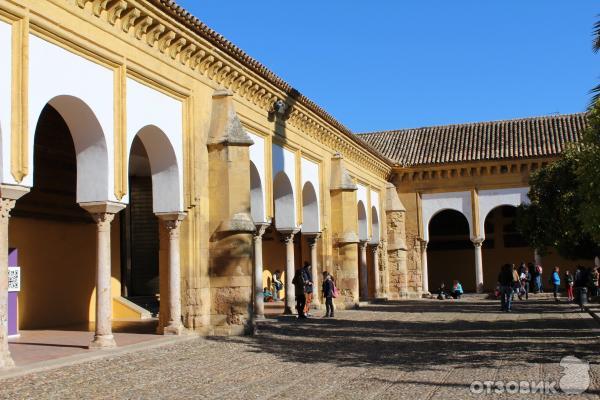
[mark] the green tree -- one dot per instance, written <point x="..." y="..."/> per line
<point x="551" y="220"/>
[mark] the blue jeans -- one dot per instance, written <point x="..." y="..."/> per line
<point x="506" y="297"/>
<point x="538" y="283"/>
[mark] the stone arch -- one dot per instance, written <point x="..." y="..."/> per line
<point x="257" y="204"/>
<point x="450" y="250"/>
<point x="310" y="209"/>
<point x="283" y="197"/>
<point x="363" y="232"/>
<point x="164" y="169"/>
<point x="90" y="148"/>
<point x="434" y="203"/>
<point x="375" y="234"/>
<point x="491" y="199"/>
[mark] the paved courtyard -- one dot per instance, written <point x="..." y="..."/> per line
<point x="411" y="350"/>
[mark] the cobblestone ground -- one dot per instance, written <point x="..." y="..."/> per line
<point x="409" y="350"/>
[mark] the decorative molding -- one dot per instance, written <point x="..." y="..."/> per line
<point x="165" y="27"/>
<point x="19" y="156"/>
<point x="120" y="133"/>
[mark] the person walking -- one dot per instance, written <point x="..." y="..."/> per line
<point x="308" y="286"/>
<point x="277" y="285"/>
<point x="516" y="283"/>
<point x="328" y="293"/>
<point x="555" y="279"/>
<point x="569" y="282"/>
<point x="525" y="279"/>
<point x="595" y="278"/>
<point x="298" y="283"/>
<point x="506" y="282"/>
<point x="539" y="270"/>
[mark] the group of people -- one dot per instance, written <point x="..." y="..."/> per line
<point x="304" y="288"/>
<point x="455" y="292"/>
<point x="519" y="280"/>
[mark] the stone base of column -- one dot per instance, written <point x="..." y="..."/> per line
<point x="480" y="288"/>
<point x="6" y="360"/>
<point x="259" y="317"/>
<point x="173" y="330"/>
<point x="103" y="342"/>
<point x="288" y="311"/>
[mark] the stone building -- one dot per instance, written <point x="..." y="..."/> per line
<point x="145" y="157"/>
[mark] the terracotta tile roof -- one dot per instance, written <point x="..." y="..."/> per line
<point x="495" y="140"/>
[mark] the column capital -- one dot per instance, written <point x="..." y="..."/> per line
<point x="477" y="242"/>
<point x="288" y="234"/>
<point x="423" y="243"/>
<point x="172" y="222"/>
<point x="261" y="228"/>
<point x="103" y="212"/>
<point x="312" y="238"/>
<point x="363" y="243"/>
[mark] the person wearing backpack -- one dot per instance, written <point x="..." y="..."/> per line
<point x="329" y="293"/>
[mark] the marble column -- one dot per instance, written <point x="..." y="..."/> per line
<point x="597" y="261"/>
<point x="8" y="198"/>
<point x="312" y="244"/>
<point x="478" y="242"/>
<point x="103" y="213"/>
<point x="375" y="258"/>
<point x="259" y="303"/>
<point x="172" y="222"/>
<point x="290" y="292"/>
<point x="424" y="272"/>
<point x="363" y="271"/>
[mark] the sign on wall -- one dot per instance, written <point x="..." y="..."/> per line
<point x="14" y="279"/>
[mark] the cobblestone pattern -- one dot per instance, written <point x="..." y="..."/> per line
<point x="408" y="350"/>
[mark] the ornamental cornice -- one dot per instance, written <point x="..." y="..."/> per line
<point x="166" y="28"/>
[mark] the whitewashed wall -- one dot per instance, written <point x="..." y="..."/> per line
<point x="433" y="203"/>
<point x="257" y="156"/>
<point x="490" y="199"/>
<point x="5" y="100"/>
<point x="310" y="173"/>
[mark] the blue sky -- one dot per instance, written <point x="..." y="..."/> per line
<point x="390" y="64"/>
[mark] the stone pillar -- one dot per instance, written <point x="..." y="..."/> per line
<point x="312" y="243"/>
<point x="290" y="270"/>
<point x="9" y="195"/>
<point x="376" y="278"/>
<point x="478" y="242"/>
<point x="259" y="301"/>
<point x="103" y="213"/>
<point x="230" y="226"/>
<point x="597" y="261"/>
<point x="396" y="249"/>
<point x="424" y="272"/>
<point x="364" y="272"/>
<point x="344" y="227"/>
<point x="172" y="222"/>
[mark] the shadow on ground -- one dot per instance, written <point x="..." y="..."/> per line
<point x="473" y="334"/>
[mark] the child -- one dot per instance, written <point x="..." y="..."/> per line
<point x="457" y="290"/>
<point x="328" y="293"/>
<point x="267" y="295"/>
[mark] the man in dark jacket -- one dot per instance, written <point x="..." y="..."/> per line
<point x="506" y="282"/>
<point x="299" y="284"/>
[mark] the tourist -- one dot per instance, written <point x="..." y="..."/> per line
<point x="569" y="282"/>
<point x="538" y="282"/>
<point x="328" y="293"/>
<point x="442" y="295"/>
<point x="267" y="295"/>
<point x="277" y="285"/>
<point x="534" y="277"/>
<point x="457" y="289"/>
<point x="308" y="286"/>
<point x="516" y="283"/>
<point x="506" y="282"/>
<point x="298" y="283"/>
<point x="595" y="278"/>
<point x="525" y="279"/>
<point x="555" y="279"/>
